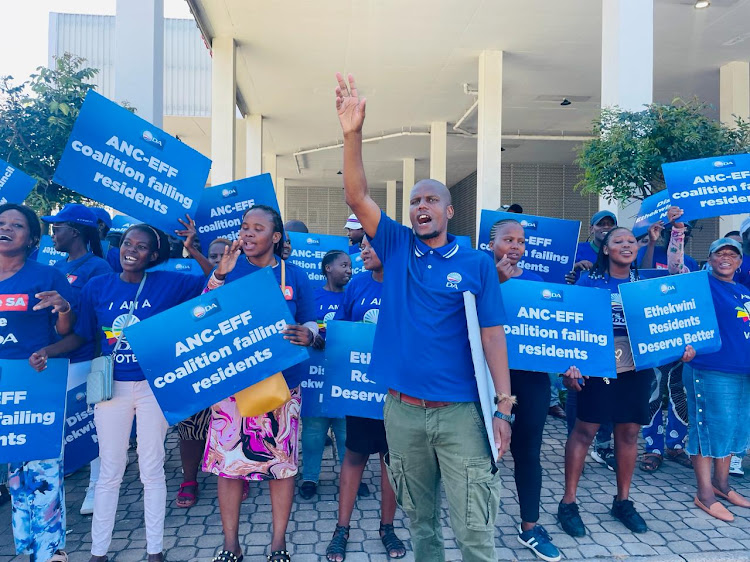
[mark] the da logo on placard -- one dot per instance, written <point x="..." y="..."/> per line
<point x="183" y="267"/>
<point x="550" y="295"/>
<point x="228" y="192"/>
<point x="528" y="225"/>
<point x="724" y="164"/>
<point x="205" y="310"/>
<point x="453" y="280"/>
<point x="667" y="289"/>
<point x="313" y="241"/>
<point x="149" y="137"/>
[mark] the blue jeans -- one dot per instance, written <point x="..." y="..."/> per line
<point x="555" y="385"/>
<point x="603" y="436"/>
<point x="314" y="431"/>
<point x="656" y="434"/>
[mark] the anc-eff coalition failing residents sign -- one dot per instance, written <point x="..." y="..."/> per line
<point x="14" y="184"/>
<point x="208" y="348"/>
<point x="115" y="157"/>
<point x="664" y="315"/>
<point x="552" y="327"/>
<point x="222" y="206"/>
<point x="550" y="243"/>
<point x="348" y="391"/>
<point x="709" y="187"/>
<point x="653" y="209"/>
<point x="308" y="251"/>
<point x="32" y="407"/>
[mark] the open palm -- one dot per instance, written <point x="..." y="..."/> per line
<point x="350" y="108"/>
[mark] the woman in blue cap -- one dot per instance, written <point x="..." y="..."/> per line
<point x="717" y="386"/>
<point x="75" y="231"/>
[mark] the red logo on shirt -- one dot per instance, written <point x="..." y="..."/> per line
<point x="288" y="292"/>
<point x="19" y="303"/>
<point x="71" y="278"/>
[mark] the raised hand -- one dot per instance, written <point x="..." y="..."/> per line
<point x="654" y="232"/>
<point x="53" y="299"/>
<point x="350" y="108"/>
<point x="228" y="260"/>
<point x="189" y="232"/>
<point x="505" y="269"/>
<point x="673" y="214"/>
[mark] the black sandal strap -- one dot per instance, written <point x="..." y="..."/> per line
<point x="284" y="554"/>
<point x="338" y="542"/>
<point x="228" y="556"/>
<point x="391" y="542"/>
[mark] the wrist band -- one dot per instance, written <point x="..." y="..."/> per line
<point x="502" y="397"/>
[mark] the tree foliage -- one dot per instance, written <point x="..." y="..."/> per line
<point x="36" y="119"/>
<point x="624" y="160"/>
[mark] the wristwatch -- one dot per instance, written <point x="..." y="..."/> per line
<point x="505" y="417"/>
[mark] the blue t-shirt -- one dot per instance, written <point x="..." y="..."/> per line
<point x="742" y="275"/>
<point x="421" y="344"/>
<point x="78" y="272"/>
<point x="527" y="276"/>
<point x="105" y="303"/>
<point x="732" y="304"/>
<point x="326" y="303"/>
<point x="113" y="259"/>
<point x="22" y="329"/>
<point x="584" y="251"/>
<point x="354" y="249"/>
<point x="300" y="298"/>
<point x="361" y="300"/>
<point x="660" y="259"/>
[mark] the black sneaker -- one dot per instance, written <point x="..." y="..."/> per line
<point x="605" y="456"/>
<point x="625" y="512"/>
<point x="4" y="494"/>
<point x="363" y="491"/>
<point x="570" y="520"/>
<point x="308" y="489"/>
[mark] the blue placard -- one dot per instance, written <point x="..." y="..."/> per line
<point x="358" y="266"/>
<point x="550" y="243"/>
<point x="32" y="410"/>
<point x="710" y="187"/>
<point x="308" y="251"/>
<point x="208" y="348"/>
<point x="180" y="265"/>
<point x="115" y="157"/>
<point x="15" y="186"/>
<point x="120" y="223"/>
<point x="653" y="209"/>
<point x="348" y="391"/>
<point x="81" y="443"/>
<point x="551" y="328"/>
<point x="222" y="206"/>
<point x="312" y="385"/>
<point x="664" y="315"/>
<point x="463" y="241"/>
<point x="47" y="253"/>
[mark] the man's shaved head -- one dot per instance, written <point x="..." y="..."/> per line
<point x="295" y="226"/>
<point x="437" y="187"/>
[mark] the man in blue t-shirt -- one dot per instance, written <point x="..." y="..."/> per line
<point x="434" y="425"/>
<point x="586" y="252"/>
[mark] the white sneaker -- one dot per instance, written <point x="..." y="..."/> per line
<point x="87" y="507"/>
<point x="735" y="466"/>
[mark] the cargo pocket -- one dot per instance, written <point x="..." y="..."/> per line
<point x="397" y="477"/>
<point x="482" y="500"/>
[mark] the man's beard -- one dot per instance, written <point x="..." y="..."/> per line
<point x="428" y="236"/>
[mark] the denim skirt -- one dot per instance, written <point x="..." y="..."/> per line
<point x="718" y="412"/>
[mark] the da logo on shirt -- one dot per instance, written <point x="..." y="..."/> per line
<point x="17" y="303"/>
<point x="550" y="295"/>
<point x="742" y="313"/>
<point x="371" y="316"/>
<point x="453" y="280"/>
<point x="120" y="323"/>
<point x="205" y="310"/>
<point x="288" y="292"/>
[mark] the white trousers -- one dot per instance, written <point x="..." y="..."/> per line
<point x="114" y="420"/>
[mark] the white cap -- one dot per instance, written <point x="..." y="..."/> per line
<point x="744" y="227"/>
<point x="353" y="222"/>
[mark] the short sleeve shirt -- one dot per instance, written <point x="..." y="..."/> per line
<point x="326" y="303"/>
<point x="421" y="344"/>
<point x="361" y="300"/>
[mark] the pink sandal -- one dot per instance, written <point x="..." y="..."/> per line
<point x="187" y="499"/>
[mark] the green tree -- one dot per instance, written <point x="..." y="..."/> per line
<point x="624" y="160"/>
<point x="36" y="119"/>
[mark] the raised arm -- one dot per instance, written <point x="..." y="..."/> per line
<point x="351" y="112"/>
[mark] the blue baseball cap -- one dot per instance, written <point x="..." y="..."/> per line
<point x="102" y="215"/>
<point x="75" y="213"/>
<point x="717" y="245"/>
<point x="601" y="215"/>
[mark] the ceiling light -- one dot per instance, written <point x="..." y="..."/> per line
<point x="338" y="173"/>
<point x="700" y="4"/>
<point x="502" y="149"/>
<point x="565" y="101"/>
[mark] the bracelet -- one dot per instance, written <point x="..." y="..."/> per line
<point x="67" y="311"/>
<point x="214" y="283"/>
<point x="502" y="397"/>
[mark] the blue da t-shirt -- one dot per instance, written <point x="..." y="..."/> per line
<point x="361" y="300"/>
<point x="22" y="329"/>
<point x="105" y="302"/>
<point x="527" y="276"/>
<point x="732" y="304"/>
<point x="113" y="259"/>
<point x="327" y="303"/>
<point x="742" y="275"/>
<point x="299" y="296"/>
<point x="78" y="272"/>
<point x="660" y="259"/>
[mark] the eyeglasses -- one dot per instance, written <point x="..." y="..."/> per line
<point x="57" y="227"/>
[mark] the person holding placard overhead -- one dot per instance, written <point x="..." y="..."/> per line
<point x="76" y="231"/>
<point x="264" y="447"/>
<point x="531" y="388"/>
<point x="622" y="401"/>
<point x="337" y="269"/>
<point x="364" y="436"/>
<point x="434" y="424"/>
<point x="41" y="310"/>
<point x="718" y="387"/>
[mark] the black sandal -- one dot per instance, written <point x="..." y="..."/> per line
<point x="279" y="556"/>
<point x="338" y="543"/>
<point x="391" y="542"/>
<point x="228" y="556"/>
